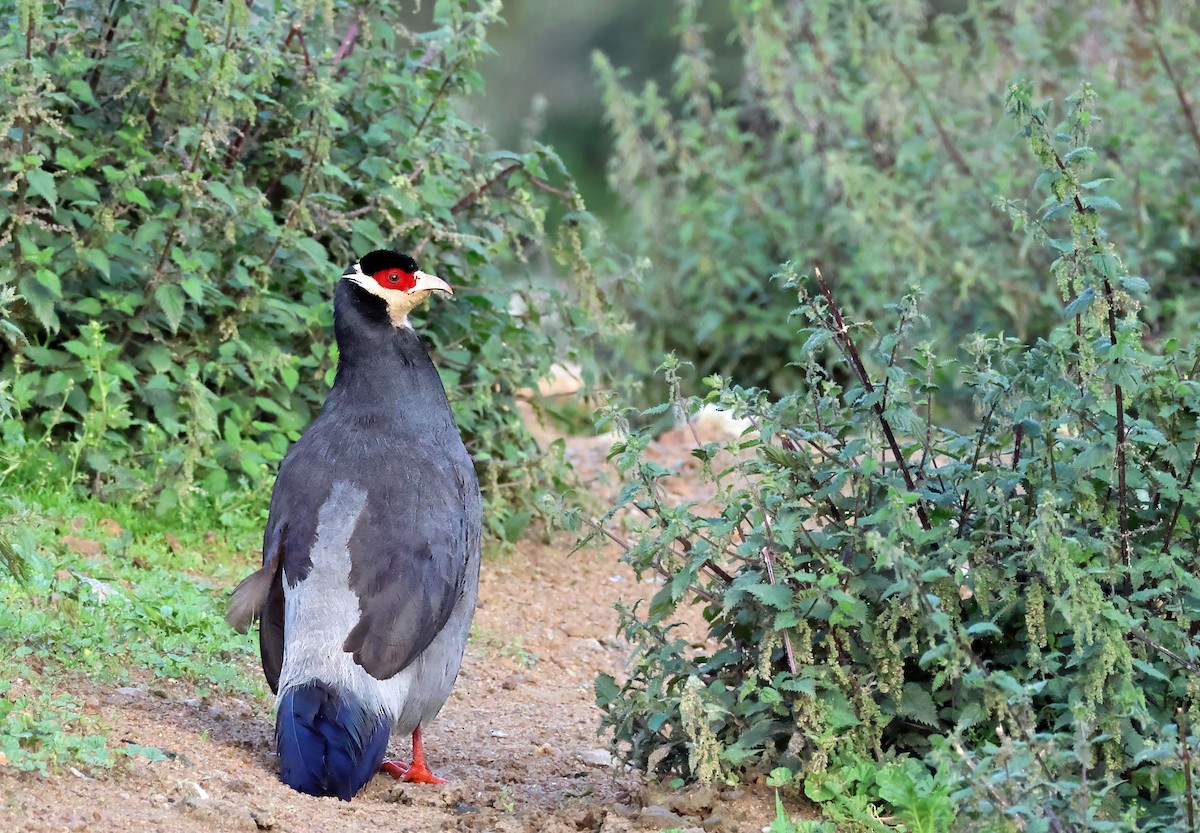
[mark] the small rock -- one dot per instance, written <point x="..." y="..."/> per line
<point x="263" y="819"/>
<point x="577" y="630"/>
<point x="513" y="681"/>
<point x="102" y="589"/>
<point x="82" y="546"/>
<point x="715" y="823"/>
<point x="498" y="734"/>
<point x="3" y="759"/>
<point x="590" y="644"/>
<point x="694" y="802"/>
<point x="130" y="691"/>
<point x="596" y="757"/>
<point x="658" y="817"/>
<point x="191" y="790"/>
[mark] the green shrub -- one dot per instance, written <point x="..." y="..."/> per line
<point x="187" y="182"/>
<point x="864" y="136"/>
<point x="1017" y="603"/>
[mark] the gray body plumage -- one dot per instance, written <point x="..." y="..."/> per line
<point x="371" y="554"/>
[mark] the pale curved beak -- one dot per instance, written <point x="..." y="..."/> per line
<point x="431" y="283"/>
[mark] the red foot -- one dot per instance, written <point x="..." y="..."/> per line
<point x="415" y="773"/>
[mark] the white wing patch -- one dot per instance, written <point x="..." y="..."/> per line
<point x="321" y="610"/>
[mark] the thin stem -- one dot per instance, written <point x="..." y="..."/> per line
<point x="1185" y="103"/>
<point x="769" y="562"/>
<point x="1141" y="636"/>
<point x="956" y="156"/>
<point x="843" y="334"/>
<point x="1187" y="483"/>
<point x="470" y="198"/>
<point x="1118" y="396"/>
<point x="346" y="48"/>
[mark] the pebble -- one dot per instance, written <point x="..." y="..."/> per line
<point x="658" y="817"/>
<point x="590" y="644"/>
<point x="82" y="546"/>
<point x="577" y="630"/>
<point x="596" y="757"/>
<point x="515" y="680"/>
<point x="263" y="819"/>
<point x="694" y="802"/>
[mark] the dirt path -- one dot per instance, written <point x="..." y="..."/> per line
<point x="517" y="738"/>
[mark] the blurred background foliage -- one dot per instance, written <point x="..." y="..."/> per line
<point x="866" y="137"/>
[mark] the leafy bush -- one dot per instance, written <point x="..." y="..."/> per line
<point x="865" y="134"/>
<point x="1018" y="603"/>
<point x="186" y="183"/>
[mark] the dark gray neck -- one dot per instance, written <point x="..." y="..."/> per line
<point x="378" y="363"/>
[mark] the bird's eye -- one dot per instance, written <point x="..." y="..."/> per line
<point x="395" y="279"/>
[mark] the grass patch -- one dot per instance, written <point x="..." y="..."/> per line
<point x="111" y="595"/>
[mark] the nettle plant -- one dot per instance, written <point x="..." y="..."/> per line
<point x="1017" y="604"/>
<point x="185" y="183"/>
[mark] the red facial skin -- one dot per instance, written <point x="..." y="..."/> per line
<point x="395" y="279"/>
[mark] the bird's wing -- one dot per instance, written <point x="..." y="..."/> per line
<point x="410" y="556"/>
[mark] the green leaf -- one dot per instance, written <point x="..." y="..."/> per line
<point x="138" y="197"/>
<point x="42" y="184"/>
<point x="50" y="281"/>
<point x="774" y="595"/>
<point x="1081" y="303"/>
<point x="170" y="300"/>
<point x="98" y="260"/>
<point x="607" y="691"/>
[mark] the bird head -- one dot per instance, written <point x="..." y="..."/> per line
<point x="395" y="278"/>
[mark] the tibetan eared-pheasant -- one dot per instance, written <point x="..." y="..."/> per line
<point x="371" y="552"/>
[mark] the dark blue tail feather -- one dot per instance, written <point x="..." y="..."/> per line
<point x="329" y="742"/>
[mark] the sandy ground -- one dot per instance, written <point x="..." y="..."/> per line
<point x="517" y="739"/>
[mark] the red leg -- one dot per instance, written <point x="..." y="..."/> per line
<point x="418" y="771"/>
